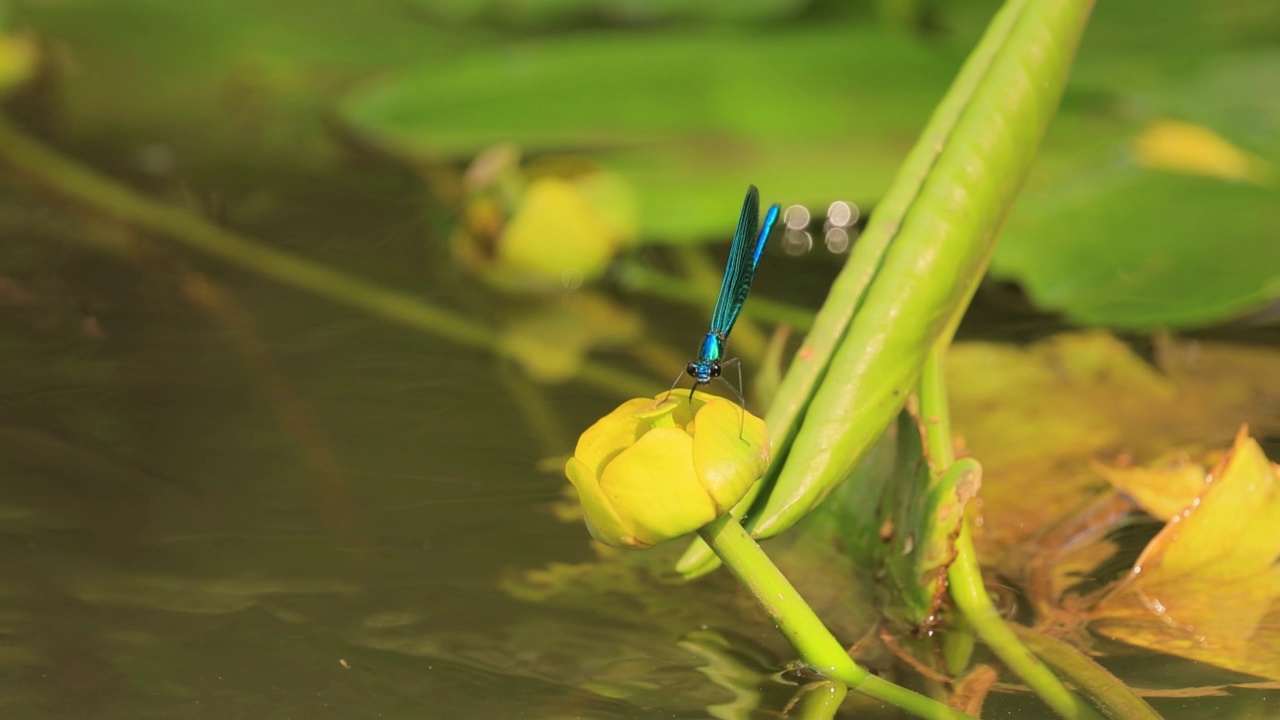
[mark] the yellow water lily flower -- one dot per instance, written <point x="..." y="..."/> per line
<point x="542" y="227"/>
<point x="656" y="469"/>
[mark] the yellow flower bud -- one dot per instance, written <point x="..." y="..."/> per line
<point x="653" y="470"/>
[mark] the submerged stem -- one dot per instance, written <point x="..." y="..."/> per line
<point x="801" y="625"/>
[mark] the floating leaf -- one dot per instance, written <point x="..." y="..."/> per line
<point x="1162" y="488"/>
<point x="1207" y="587"/>
<point x="1039" y="417"/>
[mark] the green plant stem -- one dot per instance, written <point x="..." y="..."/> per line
<point x="1106" y="690"/>
<point x="819" y="701"/>
<point x="964" y="575"/>
<point x="933" y="404"/>
<point x="96" y="191"/>
<point x="970" y="596"/>
<point x="801" y="625"/>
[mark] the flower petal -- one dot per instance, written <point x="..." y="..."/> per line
<point x="610" y="435"/>
<point x="654" y="487"/>
<point x="730" y="451"/>
<point x="602" y="521"/>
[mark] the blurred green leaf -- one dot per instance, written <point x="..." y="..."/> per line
<point x="1108" y="239"/>
<point x="684" y="116"/>
<point x="550" y="13"/>
<point x="1151" y="250"/>
<point x="239" y="80"/>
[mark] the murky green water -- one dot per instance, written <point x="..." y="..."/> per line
<point x="221" y="497"/>
<point x="262" y="505"/>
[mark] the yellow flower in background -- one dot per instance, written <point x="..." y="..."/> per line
<point x="656" y="469"/>
<point x="556" y="233"/>
<point x="19" y="54"/>
<point x="552" y="225"/>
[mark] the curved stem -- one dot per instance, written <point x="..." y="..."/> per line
<point x="965" y="575"/>
<point x="1107" y="691"/>
<point x="801" y="625"/>
<point x="970" y="596"/>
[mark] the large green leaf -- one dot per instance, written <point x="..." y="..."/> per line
<point x="807" y="112"/>
<point x="1178" y="235"/>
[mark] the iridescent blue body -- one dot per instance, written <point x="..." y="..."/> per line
<point x="744" y="257"/>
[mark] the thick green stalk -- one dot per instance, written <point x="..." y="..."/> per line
<point x="801" y="625"/>
<point x="996" y="113"/>
<point x="970" y="596"/>
<point x="917" y="264"/>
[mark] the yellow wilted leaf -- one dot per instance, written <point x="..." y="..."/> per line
<point x="1161" y="488"/>
<point x="1207" y="587"/>
<point x="1038" y="417"/>
<point x="1181" y="147"/>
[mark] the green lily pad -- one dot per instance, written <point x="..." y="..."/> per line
<point x="688" y="118"/>
<point x="1119" y="238"/>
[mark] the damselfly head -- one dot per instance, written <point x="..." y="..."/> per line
<point x="703" y="372"/>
